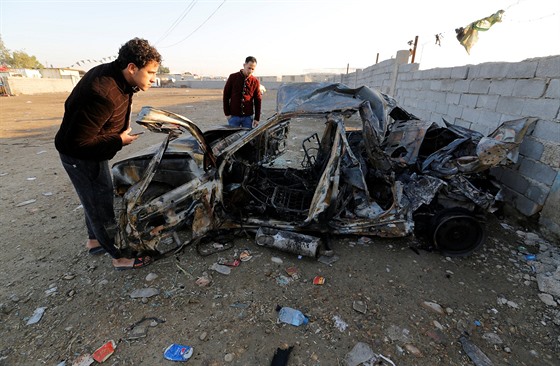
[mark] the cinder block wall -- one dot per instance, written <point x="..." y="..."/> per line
<point x="481" y="97"/>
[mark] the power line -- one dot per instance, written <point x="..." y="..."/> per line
<point x="177" y="21"/>
<point x="200" y="26"/>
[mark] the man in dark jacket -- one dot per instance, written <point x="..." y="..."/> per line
<point x="95" y="126"/>
<point x="242" y="96"/>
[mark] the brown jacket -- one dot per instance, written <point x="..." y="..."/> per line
<point x="95" y="114"/>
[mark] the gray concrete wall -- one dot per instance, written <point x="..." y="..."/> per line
<point x="481" y="97"/>
<point x="18" y="85"/>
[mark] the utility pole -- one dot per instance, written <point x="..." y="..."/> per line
<point x="377" y="58"/>
<point x="414" y="49"/>
<point x="347" y="68"/>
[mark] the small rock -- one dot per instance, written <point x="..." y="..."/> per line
<point x="413" y="349"/>
<point x="144" y="293"/>
<point x="534" y="353"/>
<point x="548" y="299"/>
<point x="359" y="306"/>
<point x="276" y="260"/>
<point x="6" y="309"/>
<point x="433" y="306"/>
<point x="229" y="357"/>
<point x="492" y="338"/>
<point x="203" y="281"/>
<point x="151" y="276"/>
<point x="202" y="336"/>
<point x="14" y="298"/>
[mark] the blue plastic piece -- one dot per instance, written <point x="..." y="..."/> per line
<point x="292" y="316"/>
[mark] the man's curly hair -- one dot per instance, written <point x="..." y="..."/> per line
<point x="139" y="52"/>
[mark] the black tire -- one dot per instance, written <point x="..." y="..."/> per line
<point x="457" y="232"/>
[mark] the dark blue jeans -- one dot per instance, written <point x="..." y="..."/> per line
<point x="94" y="186"/>
<point x="241" y="121"/>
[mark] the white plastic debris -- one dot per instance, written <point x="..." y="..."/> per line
<point x="37" y="315"/>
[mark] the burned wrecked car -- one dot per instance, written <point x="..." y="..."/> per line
<point x="331" y="160"/>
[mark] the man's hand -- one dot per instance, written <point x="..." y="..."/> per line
<point x="127" y="138"/>
<point x="255" y="123"/>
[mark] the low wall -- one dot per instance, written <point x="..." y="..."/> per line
<point x="481" y="97"/>
<point x="215" y="84"/>
<point x="19" y="85"/>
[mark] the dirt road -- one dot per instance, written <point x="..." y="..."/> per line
<point x="410" y="306"/>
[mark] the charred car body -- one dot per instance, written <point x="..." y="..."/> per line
<point x="332" y="160"/>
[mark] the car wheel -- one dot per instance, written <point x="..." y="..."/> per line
<point x="457" y="232"/>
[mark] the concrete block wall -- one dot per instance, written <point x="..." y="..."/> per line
<point x="481" y="97"/>
<point x="19" y="85"/>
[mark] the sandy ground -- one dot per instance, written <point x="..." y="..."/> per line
<point x="492" y="295"/>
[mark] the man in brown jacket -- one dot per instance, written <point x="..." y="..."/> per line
<point x="95" y="126"/>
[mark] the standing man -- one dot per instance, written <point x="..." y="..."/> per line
<point x="95" y="126"/>
<point x="242" y="96"/>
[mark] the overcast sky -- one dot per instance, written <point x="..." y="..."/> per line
<point x="213" y="37"/>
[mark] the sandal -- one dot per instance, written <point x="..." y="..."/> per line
<point x="96" y="250"/>
<point x="138" y="263"/>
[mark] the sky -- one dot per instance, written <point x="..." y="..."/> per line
<point x="288" y="37"/>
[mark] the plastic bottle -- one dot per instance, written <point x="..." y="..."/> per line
<point x="292" y="316"/>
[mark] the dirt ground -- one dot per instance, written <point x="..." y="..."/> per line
<point x="492" y="295"/>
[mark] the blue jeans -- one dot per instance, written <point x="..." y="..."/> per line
<point x="241" y="121"/>
<point x="94" y="186"/>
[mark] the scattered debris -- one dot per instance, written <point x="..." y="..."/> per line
<point x="220" y="268"/>
<point x="359" y="306"/>
<point x="283" y="280"/>
<point x="475" y="354"/>
<point x="37" y="315"/>
<point x="178" y="352"/>
<point x="144" y="292"/>
<point x="362" y="354"/>
<point x="319" y="280"/>
<point x="83" y="360"/>
<point x="291" y="316"/>
<point x="339" y="324"/>
<point x="24" y="203"/>
<point x="328" y="260"/>
<point x="105" y="351"/>
<point x="288" y="241"/>
<point x="203" y="280"/>
<point x="245" y="255"/>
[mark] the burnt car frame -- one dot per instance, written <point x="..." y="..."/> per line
<point x="331" y="160"/>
